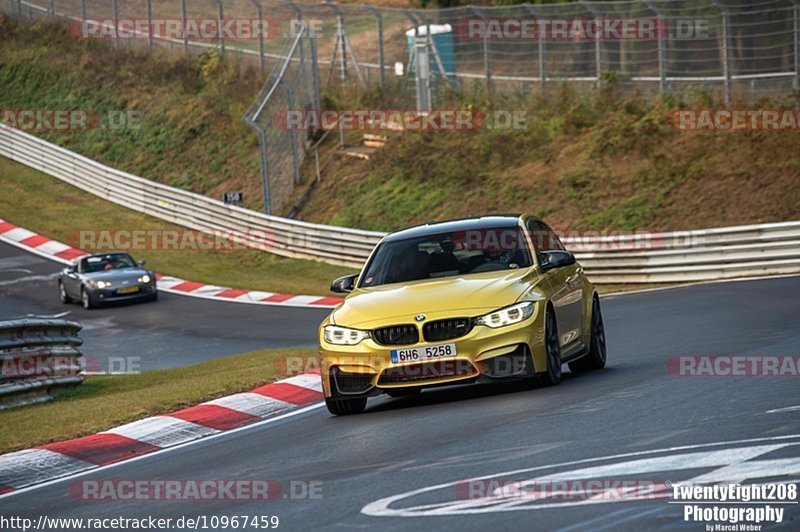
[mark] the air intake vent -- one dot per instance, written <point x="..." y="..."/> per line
<point x="396" y="335"/>
<point x="437" y="331"/>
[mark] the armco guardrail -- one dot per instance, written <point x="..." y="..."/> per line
<point x="638" y="258"/>
<point x="38" y="357"/>
<point x="290" y="238"/>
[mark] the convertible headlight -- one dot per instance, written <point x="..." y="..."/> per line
<point x="507" y="316"/>
<point x="144" y="279"/>
<point x="343" y="336"/>
<point x="103" y="284"/>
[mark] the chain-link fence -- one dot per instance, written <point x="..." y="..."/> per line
<point x="737" y="48"/>
<point x="292" y="87"/>
<point x="737" y="45"/>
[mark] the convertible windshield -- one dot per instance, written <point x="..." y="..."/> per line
<point x="107" y="262"/>
<point x="447" y="254"/>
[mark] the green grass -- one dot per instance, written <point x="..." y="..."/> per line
<point x="103" y="402"/>
<point x="69" y="210"/>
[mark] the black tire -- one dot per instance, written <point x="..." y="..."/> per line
<point x="402" y="392"/>
<point x="154" y="297"/>
<point x="553" y="349"/>
<point x="596" y="358"/>
<point x="62" y="294"/>
<point x="345" y="407"/>
<point x="87" y="301"/>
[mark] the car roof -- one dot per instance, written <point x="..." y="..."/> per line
<point x="494" y="221"/>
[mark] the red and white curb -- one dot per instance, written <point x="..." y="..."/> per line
<point x="25" y="468"/>
<point x="51" y="249"/>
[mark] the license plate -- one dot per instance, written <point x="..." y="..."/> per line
<point x="423" y="354"/>
<point x="128" y="289"/>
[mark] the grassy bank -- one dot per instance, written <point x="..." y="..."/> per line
<point x="103" y="402"/>
<point x="595" y="160"/>
<point x="69" y="210"/>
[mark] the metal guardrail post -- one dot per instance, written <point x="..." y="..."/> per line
<point x="83" y="10"/>
<point x="662" y="47"/>
<point x="726" y="50"/>
<point x="52" y="9"/>
<point x="115" y="10"/>
<point x="260" y="15"/>
<point x="379" y="23"/>
<point x="150" y="24"/>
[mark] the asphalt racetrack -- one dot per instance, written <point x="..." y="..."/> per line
<point x="402" y="465"/>
<point x="174" y="331"/>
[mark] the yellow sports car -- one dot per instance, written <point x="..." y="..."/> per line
<point x="474" y="300"/>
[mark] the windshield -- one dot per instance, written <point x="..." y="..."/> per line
<point x="447" y="254"/>
<point x="107" y="262"/>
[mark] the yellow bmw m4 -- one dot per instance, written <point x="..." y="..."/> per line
<point x="475" y="300"/>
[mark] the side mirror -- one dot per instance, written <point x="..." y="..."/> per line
<point x="345" y="284"/>
<point x="556" y="259"/>
<point x="71" y="268"/>
<point x="141" y="262"/>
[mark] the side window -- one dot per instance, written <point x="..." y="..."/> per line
<point x="544" y="238"/>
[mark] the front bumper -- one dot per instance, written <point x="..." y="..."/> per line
<point x="111" y="295"/>
<point x="483" y="354"/>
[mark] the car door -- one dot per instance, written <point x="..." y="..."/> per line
<point x="566" y="286"/>
<point x="72" y="281"/>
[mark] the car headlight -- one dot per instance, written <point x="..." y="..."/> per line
<point x="507" y="316"/>
<point x="103" y="284"/>
<point x="144" y="279"/>
<point x="343" y="336"/>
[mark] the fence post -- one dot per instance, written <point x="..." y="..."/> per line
<point x="598" y="51"/>
<point x="379" y="22"/>
<point x="260" y="15"/>
<point x="293" y="132"/>
<point x="184" y="18"/>
<point x="662" y="47"/>
<point x="52" y="9"/>
<point x="542" y="52"/>
<point x="220" y="26"/>
<point x="314" y="69"/>
<point x="726" y="51"/>
<point x="83" y="10"/>
<point x="487" y="59"/>
<point x="796" y="44"/>
<point x="115" y="10"/>
<point x="262" y="146"/>
<point x="150" y="24"/>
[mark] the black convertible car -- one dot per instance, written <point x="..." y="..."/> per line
<point x="106" y="278"/>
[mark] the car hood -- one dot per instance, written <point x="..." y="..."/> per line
<point x="117" y="275"/>
<point x="469" y="295"/>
